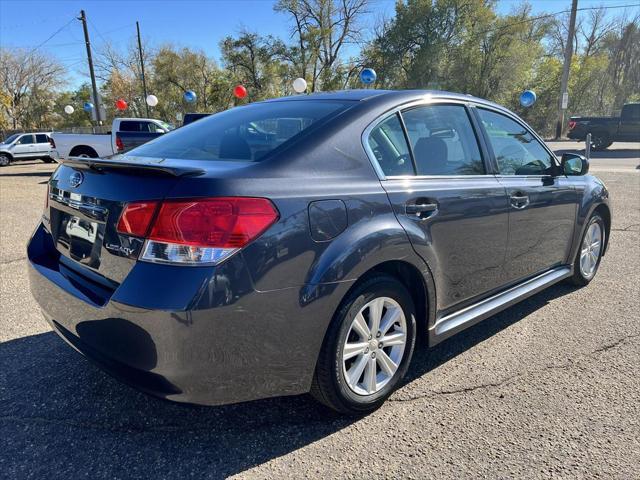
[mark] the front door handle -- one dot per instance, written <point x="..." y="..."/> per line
<point x="421" y="210"/>
<point x="519" y="200"/>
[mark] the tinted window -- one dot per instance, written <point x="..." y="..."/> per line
<point x="631" y="112"/>
<point x="26" y="139"/>
<point x="245" y="133"/>
<point x="517" y="151"/>
<point x="443" y="140"/>
<point x="134" y="126"/>
<point x="42" y="138"/>
<point x="388" y="143"/>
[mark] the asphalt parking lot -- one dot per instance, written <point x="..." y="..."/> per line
<point x="548" y="388"/>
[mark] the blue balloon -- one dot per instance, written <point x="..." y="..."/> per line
<point x="368" y="76"/>
<point x="87" y="107"/>
<point x="190" y="96"/>
<point x="528" y="98"/>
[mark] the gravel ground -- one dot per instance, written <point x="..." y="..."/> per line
<point x="548" y="388"/>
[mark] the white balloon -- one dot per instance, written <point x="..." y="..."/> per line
<point x="152" y="100"/>
<point x="68" y="109"/>
<point x="299" y="85"/>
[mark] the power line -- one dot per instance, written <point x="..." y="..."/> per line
<point x="51" y="36"/>
<point x="549" y="15"/>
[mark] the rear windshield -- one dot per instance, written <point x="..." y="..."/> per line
<point x="245" y="133"/>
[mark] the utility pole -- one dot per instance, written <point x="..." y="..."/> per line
<point x="568" y="54"/>
<point x="144" y="82"/>
<point x="96" y="99"/>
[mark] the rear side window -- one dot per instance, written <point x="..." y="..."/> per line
<point x="631" y="111"/>
<point x="247" y="133"/>
<point x="389" y="146"/>
<point x="443" y="140"/>
<point x="135" y="126"/>
<point x="516" y="150"/>
<point x="42" y="138"/>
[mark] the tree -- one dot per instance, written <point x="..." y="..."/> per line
<point x="321" y="29"/>
<point x="176" y="71"/>
<point x="27" y="82"/>
<point x="255" y="62"/>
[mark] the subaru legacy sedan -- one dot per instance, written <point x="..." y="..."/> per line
<point x="304" y="243"/>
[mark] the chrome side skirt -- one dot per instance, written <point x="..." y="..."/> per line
<point x="457" y="321"/>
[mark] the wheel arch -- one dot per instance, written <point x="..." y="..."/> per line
<point x="419" y="284"/>
<point x="79" y="149"/>
<point x="605" y="213"/>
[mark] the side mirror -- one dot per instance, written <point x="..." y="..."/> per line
<point x="573" y="164"/>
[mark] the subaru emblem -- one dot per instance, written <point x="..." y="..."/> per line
<point x="76" y="179"/>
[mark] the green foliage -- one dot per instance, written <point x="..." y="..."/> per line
<point x="458" y="45"/>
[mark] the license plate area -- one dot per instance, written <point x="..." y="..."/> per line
<point x="80" y="239"/>
<point x="78" y="227"/>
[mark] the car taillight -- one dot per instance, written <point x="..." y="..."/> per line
<point x="572" y="124"/>
<point x="52" y="142"/>
<point x="197" y="232"/>
<point x="119" y="144"/>
<point x="136" y="218"/>
<point x="46" y="199"/>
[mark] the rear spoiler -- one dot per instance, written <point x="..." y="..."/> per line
<point x="100" y="164"/>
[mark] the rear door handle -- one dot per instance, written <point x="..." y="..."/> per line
<point x="421" y="210"/>
<point x="519" y="200"/>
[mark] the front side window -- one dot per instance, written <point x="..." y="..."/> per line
<point x="517" y="151"/>
<point x="26" y="140"/>
<point x="443" y="140"/>
<point x="389" y="146"/>
<point x="247" y="133"/>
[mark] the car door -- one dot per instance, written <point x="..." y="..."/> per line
<point x="25" y="147"/>
<point x="542" y="205"/>
<point x="42" y="145"/>
<point x="454" y="212"/>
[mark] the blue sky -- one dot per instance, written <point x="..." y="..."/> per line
<point x="194" y="23"/>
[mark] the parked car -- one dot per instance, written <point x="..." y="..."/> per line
<point x="606" y="130"/>
<point x="206" y="268"/>
<point x="125" y="134"/>
<point x="25" y="146"/>
<point x="192" y="117"/>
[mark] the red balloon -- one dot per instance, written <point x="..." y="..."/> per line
<point x="239" y="91"/>
<point x="121" y="104"/>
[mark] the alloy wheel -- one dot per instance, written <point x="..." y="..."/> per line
<point x="590" y="250"/>
<point x="374" y="346"/>
<point x="4" y="160"/>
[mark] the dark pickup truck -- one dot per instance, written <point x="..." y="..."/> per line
<point x="606" y="130"/>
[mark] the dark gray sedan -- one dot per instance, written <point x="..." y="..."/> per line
<point x="304" y="243"/>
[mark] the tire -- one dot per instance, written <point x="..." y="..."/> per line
<point x="349" y="395"/>
<point x="582" y="275"/>
<point x="83" y="152"/>
<point x="600" y="141"/>
<point x="5" y="160"/>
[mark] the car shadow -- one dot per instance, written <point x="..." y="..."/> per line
<point x="617" y="153"/>
<point x="63" y="417"/>
<point x="26" y="174"/>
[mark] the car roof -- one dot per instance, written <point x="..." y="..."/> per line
<point x="401" y="96"/>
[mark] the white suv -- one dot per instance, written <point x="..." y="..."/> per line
<point x="25" y="146"/>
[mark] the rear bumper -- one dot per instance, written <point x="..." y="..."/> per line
<point x="229" y="344"/>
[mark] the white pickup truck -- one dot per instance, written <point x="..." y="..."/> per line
<point x="126" y="133"/>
